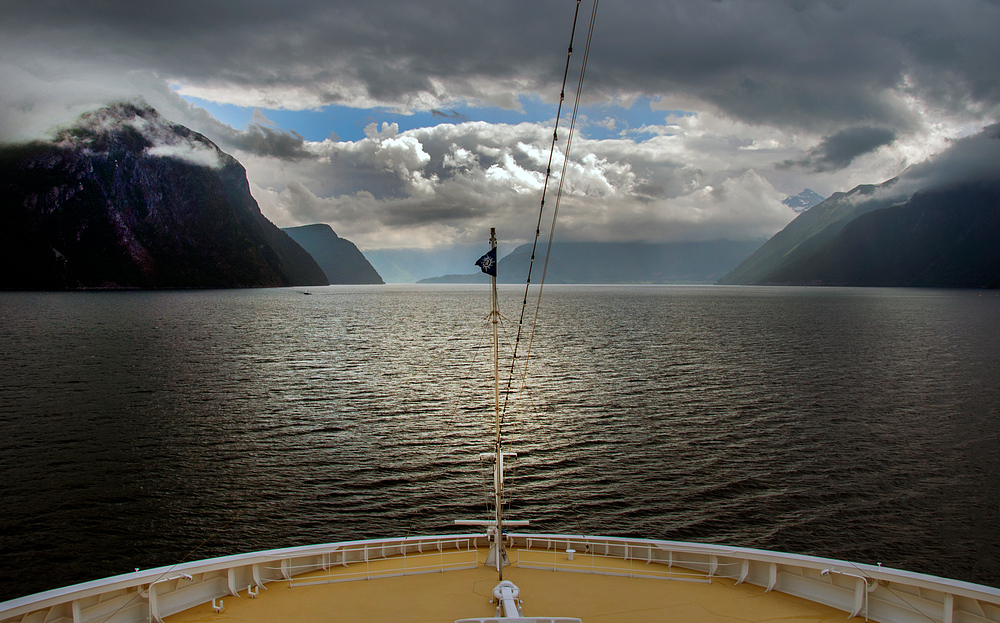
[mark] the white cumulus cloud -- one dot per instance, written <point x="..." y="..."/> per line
<point x="445" y="184"/>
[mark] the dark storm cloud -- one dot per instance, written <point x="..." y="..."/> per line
<point x="450" y="115"/>
<point x="811" y="63"/>
<point x="967" y="160"/>
<point x="839" y="150"/>
<point x="741" y="85"/>
<point x="816" y="65"/>
<point x="263" y="141"/>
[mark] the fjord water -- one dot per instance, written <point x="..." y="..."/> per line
<point x="143" y="428"/>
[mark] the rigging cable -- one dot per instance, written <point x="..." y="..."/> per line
<point x="541" y="208"/>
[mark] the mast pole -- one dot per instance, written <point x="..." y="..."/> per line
<point x="498" y="444"/>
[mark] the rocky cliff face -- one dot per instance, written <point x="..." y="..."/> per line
<point x="126" y="199"/>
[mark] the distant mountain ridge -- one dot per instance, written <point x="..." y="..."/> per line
<point x="941" y="238"/>
<point x="947" y="237"/>
<point x="409" y="265"/>
<point x="126" y="199"/>
<point x="612" y="262"/>
<point x="807" y="232"/>
<point x="342" y="262"/>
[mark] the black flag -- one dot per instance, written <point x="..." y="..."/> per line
<point x="488" y="262"/>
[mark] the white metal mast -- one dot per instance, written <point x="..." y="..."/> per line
<point x="497" y="556"/>
<point x="501" y="554"/>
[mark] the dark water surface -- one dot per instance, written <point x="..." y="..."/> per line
<point x="140" y="428"/>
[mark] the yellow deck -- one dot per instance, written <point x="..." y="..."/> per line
<point x="450" y="595"/>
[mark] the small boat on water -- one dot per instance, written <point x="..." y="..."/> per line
<point x="498" y="573"/>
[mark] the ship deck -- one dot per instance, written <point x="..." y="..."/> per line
<point x="675" y="595"/>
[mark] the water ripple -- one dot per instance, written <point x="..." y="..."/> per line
<point x="838" y="422"/>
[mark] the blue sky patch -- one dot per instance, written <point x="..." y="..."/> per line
<point x="348" y="124"/>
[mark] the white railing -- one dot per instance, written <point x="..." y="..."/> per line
<point x="153" y="594"/>
<point x="442" y="555"/>
<point x="884" y="594"/>
<point x="578" y="557"/>
<point x="870" y="591"/>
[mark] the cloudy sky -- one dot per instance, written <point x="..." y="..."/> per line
<point x="423" y="123"/>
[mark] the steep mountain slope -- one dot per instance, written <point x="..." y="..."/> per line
<point x="945" y="237"/>
<point x="342" y="262"/>
<point x="809" y="231"/>
<point x="126" y="199"/>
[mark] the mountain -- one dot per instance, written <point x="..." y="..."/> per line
<point x="612" y="262"/>
<point x="126" y="199"/>
<point x="409" y="265"/>
<point x="342" y="262"/>
<point x="804" y="200"/>
<point x="810" y="230"/>
<point x="940" y="238"/>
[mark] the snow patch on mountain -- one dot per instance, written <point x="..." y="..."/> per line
<point x="804" y="200"/>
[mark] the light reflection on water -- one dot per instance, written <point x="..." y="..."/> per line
<point x="857" y="424"/>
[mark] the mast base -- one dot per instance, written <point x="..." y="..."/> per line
<point x="496" y="540"/>
<point x="491" y="558"/>
<point x="491" y="534"/>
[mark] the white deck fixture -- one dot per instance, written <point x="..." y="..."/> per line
<point x="507" y="596"/>
<point x="864" y="585"/>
